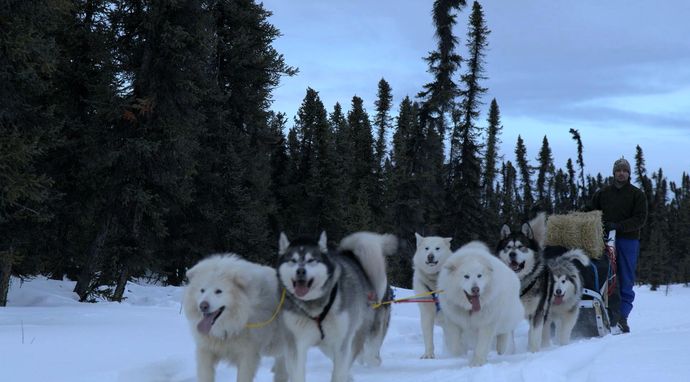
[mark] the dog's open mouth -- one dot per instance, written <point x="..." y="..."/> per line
<point x="302" y="287"/>
<point x="432" y="263"/>
<point x="557" y="299"/>
<point x="517" y="267"/>
<point x="474" y="301"/>
<point x="208" y="319"/>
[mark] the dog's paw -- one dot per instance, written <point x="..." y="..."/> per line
<point x="477" y="361"/>
<point x="427" y="356"/>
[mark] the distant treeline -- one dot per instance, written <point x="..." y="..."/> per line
<point x="137" y="137"/>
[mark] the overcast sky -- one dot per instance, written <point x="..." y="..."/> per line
<point x="616" y="70"/>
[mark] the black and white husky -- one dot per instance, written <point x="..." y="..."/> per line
<point x="522" y="251"/>
<point x="566" y="295"/>
<point x="330" y="298"/>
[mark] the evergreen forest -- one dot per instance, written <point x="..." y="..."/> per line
<point x="137" y="137"/>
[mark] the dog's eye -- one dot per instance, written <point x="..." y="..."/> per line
<point x="293" y="261"/>
<point x="311" y="261"/>
<point x="218" y="291"/>
<point x="203" y="290"/>
<point x="426" y="248"/>
<point x="438" y="248"/>
<point x="479" y="276"/>
<point x="467" y="277"/>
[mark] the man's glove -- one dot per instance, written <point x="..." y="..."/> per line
<point x="611" y="226"/>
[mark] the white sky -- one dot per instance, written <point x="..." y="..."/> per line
<point x="47" y="336"/>
<point x="618" y="71"/>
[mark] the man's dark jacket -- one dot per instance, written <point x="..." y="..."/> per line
<point x="626" y="206"/>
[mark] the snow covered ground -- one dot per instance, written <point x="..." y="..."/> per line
<point x="47" y="336"/>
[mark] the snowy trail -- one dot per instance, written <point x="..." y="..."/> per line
<point x="46" y="336"/>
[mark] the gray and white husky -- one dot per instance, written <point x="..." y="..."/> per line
<point x="523" y="252"/>
<point x="329" y="301"/>
<point x="565" y="299"/>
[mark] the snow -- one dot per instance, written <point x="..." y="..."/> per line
<point x="47" y="336"/>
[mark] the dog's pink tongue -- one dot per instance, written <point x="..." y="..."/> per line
<point x="204" y="326"/>
<point x="558" y="300"/>
<point x="474" y="300"/>
<point x="301" y="290"/>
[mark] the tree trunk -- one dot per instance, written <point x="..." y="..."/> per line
<point x="121" y="283"/>
<point x="6" y="259"/>
<point x="82" y="288"/>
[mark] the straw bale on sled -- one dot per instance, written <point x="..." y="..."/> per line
<point x="577" y="230"/>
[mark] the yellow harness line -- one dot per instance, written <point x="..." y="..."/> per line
<point x="275" y="314"/>
<point x="405" y="299"/>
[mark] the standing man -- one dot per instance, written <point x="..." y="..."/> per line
<point x="624" y="209"/>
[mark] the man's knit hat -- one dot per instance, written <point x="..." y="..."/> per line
<point x="621" y="164"/>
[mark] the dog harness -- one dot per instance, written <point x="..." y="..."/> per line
<point x="434" y="296"/>
<point x="326" y="309"/>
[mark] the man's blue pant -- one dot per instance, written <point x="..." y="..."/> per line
<point x="627" y="252"/>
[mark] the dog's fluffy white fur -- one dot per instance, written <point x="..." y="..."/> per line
<point x="481" y="295"/>
<point x="226" y="293"/>
<point x="429" y="257"/>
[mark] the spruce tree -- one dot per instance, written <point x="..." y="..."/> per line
<point x="489" y="196"/>
<point x="510" y="197"/>
<point x="382" y="122"/>
<point x="88" y="101"/>
<point x="362" y="212"/>
<point x="439" y="95"/>
<point x="580" y="161"/>
<point x="318" y="207"/>
<point x="28" y="123"/>
<point x="464" y="193"/>
<point x="572" y="186"/>
<point x="408" y="210"/>
<point x="525" y="178"/>
<point x="153" y="145"/>
<point x="491" y="155"/>
<point x="545" y="175"/>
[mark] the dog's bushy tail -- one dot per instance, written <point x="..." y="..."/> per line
<point x="371" y="249"/>
<point x="576" y="254"/>
<point x="538" y="226"/>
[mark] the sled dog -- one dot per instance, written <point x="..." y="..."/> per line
<point x="224" y="298"/>
<point x="329" y="301"/>
<point x="565" y="299"/>
<point x="523" y="252"/>
<point x="431" y="254"/>
<point x="481" y="295"/>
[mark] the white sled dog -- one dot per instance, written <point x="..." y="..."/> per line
<point x="565" y="299"/>
<point x="329" y="301"/>
<point x="523" y="252"/>
<point x="432" y="252"/>
<point x="481" y="295"/>
<point x="229" y="303"/>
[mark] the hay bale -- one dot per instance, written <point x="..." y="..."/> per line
<point x="577" y="230"/>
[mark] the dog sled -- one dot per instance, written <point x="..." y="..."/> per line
<point x="599" y="307"/>
<point x="600" y="303"/>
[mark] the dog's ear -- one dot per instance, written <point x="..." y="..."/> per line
<point x="527" y="231"/>
<point x="419" y="238"/>
<point x="242" y="281"/>
<point x="283" y="244"/>
<point x="505" y="231"/>
<point x="323" y="242"/>
<point x="450" y="267"/>
<point x="190" y="273"/>
<point x="447" y="240"/>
